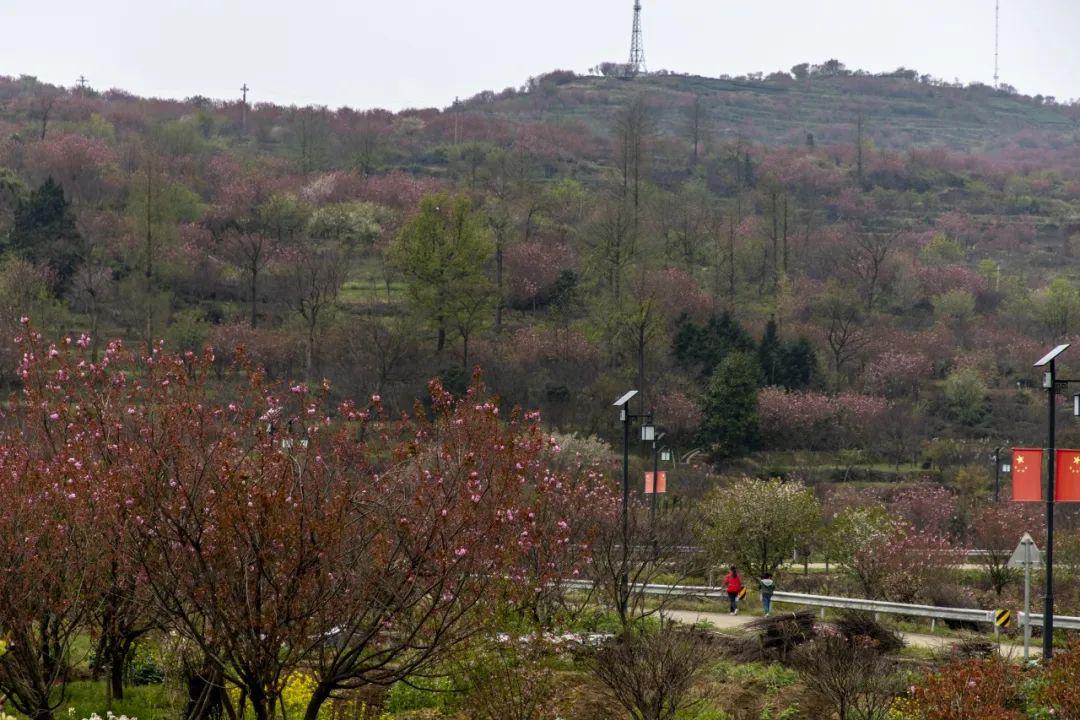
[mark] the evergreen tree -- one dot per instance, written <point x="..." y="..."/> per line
<point x="770" y="354"/>
<point x="704" y="347"/>
<point x="786" y="364"/>
<point x="44" y="231"/>
<point x="798" y="364"/>
<point x="730" y="426"/>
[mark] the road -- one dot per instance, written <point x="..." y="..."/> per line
<point x="724" y="621"/>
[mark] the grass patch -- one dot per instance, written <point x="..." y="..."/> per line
<point x="145" y="702"/>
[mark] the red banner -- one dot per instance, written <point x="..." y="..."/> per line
<point x="1027" y="474"/>
<point x="661" y="486"/>
<point x="1067" y="476"/>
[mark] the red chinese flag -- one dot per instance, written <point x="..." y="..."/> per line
<point x="1067" y="476"/>
<point x="1027" y="474"/>
<point x="661" y="485"/>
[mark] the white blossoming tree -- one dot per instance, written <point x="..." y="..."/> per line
<point x="756" y="524"/>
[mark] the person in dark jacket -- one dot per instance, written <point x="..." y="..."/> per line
<point x="767" y="589"/>
<point x="733" y="585"/>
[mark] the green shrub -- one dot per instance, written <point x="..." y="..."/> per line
<point x="420" y="694"/>
<point x="773" y="676"/>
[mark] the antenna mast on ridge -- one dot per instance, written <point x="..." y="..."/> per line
<point x="637" y="45"/>
<point x="997" y="37"/>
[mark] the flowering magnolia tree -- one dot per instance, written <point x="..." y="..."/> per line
<point x="267" y="531"/>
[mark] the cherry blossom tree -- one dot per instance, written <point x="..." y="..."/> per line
<point x="898" y="374"/>
<point x="996" y="530"/>
<point x="50" y="549"/>
<point x="813" y="419"/>
<point x="886" y="557"/>
<point x="269" y="533"/>
<point x="927" y="507"/>
<point x="85" y="167"/>
<point x="757" y="524"/>
<point x="456" y="520"/>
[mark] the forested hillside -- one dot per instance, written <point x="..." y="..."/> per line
<point x="821" y="270"/>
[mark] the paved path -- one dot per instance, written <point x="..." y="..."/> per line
<point x="725" y="621"/>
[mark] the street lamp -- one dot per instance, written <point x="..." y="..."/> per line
<point x="655" y="478"/>
<point x="627" y="418"/>
<point x="997" y="473"/>
<point x="1050" y="384"/>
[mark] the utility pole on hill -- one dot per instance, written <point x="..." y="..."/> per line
<point x="859" y="150"/>
<point x="243" y="107"/>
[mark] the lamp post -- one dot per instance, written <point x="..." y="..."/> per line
<point x="666" y="457"/>
<point x="647" y="433"/>
<point x="1050" y="384"/>
<point x="655" y="478"/>
<point x="997" y="473"/>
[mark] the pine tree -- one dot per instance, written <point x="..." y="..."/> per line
<point x="44" y="231"/>
<point x="730" y="426"/>
<point x="789" y="364"/>
<point x="770" y="355"/>
<point x="705" y="347"/>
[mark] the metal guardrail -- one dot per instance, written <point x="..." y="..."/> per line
<point x="934" y="613"/>
<point x="1061" y="622"/>
<point x="974" y="615"/>
<point x="970" y="555"/>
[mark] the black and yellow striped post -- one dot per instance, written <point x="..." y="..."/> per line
<point x="1002" y="618"/>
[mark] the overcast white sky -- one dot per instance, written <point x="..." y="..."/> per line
<point x="412" y="53"/>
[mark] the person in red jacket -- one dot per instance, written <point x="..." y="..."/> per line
<point x="733" y="585"/>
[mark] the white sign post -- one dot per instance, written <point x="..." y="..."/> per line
<point x="1026" y="556"/>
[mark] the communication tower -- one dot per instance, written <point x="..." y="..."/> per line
<point x="997" y="37"/>
<point x="637" y="45"/>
